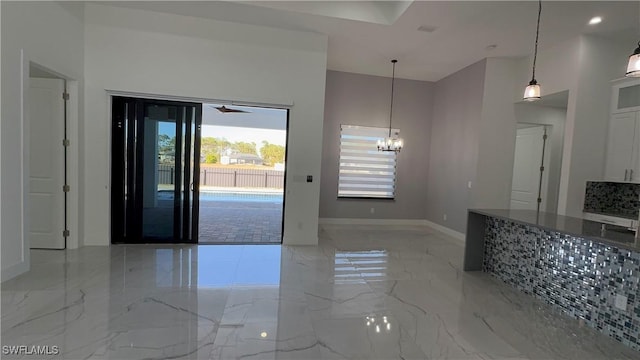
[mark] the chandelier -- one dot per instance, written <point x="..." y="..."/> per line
<point x="391" y="143"/>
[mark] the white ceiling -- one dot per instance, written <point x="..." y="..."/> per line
<point x="365" y="35"/>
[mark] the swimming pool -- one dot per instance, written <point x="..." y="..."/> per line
<point x="209" y="195"/>
<point x="240" y="196"/>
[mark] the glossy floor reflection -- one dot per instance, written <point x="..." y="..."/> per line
<point x="365" y="292"/>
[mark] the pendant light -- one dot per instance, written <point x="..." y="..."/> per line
<point x="633" y="69"/>
<point x="532" y="92"/>
<point x="391" y="143"/>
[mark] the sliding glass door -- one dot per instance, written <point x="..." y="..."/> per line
<point x="155" y="153"/>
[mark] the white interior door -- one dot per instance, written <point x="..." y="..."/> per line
<point x="46" y="163"/>
<point x="526" y="169"/>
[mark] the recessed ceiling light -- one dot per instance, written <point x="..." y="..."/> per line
<point x="595" y="20"/>
<point x="491" y="47"/>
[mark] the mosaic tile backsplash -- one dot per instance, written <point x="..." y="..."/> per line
<point x="612" y="198"/>
<point x="579" y="276"/>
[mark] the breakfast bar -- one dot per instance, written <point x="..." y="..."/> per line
<point x="585" y="269"/>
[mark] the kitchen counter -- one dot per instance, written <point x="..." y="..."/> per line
<point x="614" y="236"/>
<point x="564" y="261"/>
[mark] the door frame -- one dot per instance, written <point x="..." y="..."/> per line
<point x="110" y="93"/>
<point x="73" y="153"/>
<point x="284" y="185"/>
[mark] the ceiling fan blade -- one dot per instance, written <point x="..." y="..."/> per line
<point x="223" y="109"/>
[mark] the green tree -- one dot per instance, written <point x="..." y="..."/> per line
<point x="166" y="143"/>
<point x="166" y="146"/>
<point x="245" y="147"/>
<point x="211" y="158"/>
<point x="272" y="153"/>
<point x="213" y="147"/>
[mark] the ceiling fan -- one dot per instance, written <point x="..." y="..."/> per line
<point x="223" y="109"/>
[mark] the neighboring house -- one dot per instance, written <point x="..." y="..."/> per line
<point x="241" y="158"/>
<point x="168" y="157"/>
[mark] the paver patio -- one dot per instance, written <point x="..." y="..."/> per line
<point x="240" y="222"/>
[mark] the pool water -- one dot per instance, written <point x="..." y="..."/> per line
<point x="230" y="196"/>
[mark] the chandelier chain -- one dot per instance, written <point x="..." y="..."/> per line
<point x="393" y="78"/>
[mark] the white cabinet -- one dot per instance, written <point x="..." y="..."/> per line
<point x="625" y="96"/>
<point x="623" y="147"/>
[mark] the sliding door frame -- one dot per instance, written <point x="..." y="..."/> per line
<point x="124" y="227"/>
<point x="112" y="94"/>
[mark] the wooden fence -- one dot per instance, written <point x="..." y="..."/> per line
<point x="222" y="177"/>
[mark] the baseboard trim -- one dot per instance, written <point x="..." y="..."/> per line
<point x="14" y="270"/>
<point x="355" y="221"/>
<point x="447" y="231"/>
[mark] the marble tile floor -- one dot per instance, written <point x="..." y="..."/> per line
<point x="366" y="292"/>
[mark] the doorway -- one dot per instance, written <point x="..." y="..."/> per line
<point x="197" y="173"/>
<point x="242" y="175"/>
<point x="154" y="193"/>
<point x="547" y="114"/>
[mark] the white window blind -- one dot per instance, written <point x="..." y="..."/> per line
<point x="364" y="171"/>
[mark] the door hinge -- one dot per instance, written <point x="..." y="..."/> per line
<point x="65" y="96"/>
<point x="65" y="233"/>
<point x="66" y="142"/>
<point x="66" y="188"/>
<point x="539" y="200"/>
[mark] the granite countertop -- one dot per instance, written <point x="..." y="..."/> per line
<point x="591" y="230"/>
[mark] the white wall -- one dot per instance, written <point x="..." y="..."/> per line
<point x="602" y="60"/>
<point x="497" y="129"/>
<point x="2" y="277"/>
<point x="51" y="35"/>
<point x="584" y="66"/>
<point x="556" y="71"/>
<point x="154" y="53"/>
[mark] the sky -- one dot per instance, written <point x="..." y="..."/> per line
<point x="255" y="125"/>
<point x="235" y="134"/>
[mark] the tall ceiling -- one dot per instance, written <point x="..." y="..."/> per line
<point x="365" y="35"/>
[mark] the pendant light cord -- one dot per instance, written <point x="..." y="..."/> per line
<point x="535" y="52"/>
<point x="393" y="78"/>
